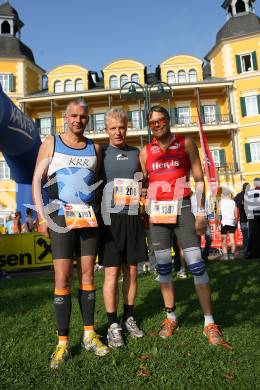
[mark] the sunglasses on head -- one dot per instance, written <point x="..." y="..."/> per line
<point x="160" y="122"/>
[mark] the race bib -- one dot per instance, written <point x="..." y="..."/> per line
<point x="126" y="192"/>
<point x="79" y="216"/>
<point x="163" y="211"/>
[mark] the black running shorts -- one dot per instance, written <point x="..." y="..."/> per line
<point x="74" y="243"/>
<point x="162" y="235"/>
<point x="228" y="229"/>
<point x="123" y="241"/>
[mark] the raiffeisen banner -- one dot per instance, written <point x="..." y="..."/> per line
<point x="24" y="251"/>
<point x="19" y="140"/>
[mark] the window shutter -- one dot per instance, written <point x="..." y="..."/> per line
<point x="38" y="123"/>
<point x="144" y="118"/>
<point x="248" y="153"/>
<point x="91" y="122"/>
<point x="172" y="116"/>
<point x="255" y="67"/>
<point x="176" y="115"/>
<point x="222" y="157"/>
<point x="238" y="62"/>
<point x="258" y="102"/>
<point x="243" y="106"/>
<point x="202" y="114"/>
<point x="218" y="114"/>
<point x="11" y="82"/>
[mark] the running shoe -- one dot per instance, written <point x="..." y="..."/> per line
<point x="92" y="343"/>
<point x="169" y="327"/>
<point x="59" y="356"/>
<point x="114" y="336"/>
<point x="182" y="274"/>
<point x="132" y="328"/>
<point x="214" y="335"/>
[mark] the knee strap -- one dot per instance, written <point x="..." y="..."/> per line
<point x="196" y="265"/>
<point x="164" y="265"/>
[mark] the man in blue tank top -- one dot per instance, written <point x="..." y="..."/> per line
<point x="69" y="164"/>
<point x="122" y="242"/>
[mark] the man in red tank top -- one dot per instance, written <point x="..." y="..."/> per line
<point x="166" y="165"/>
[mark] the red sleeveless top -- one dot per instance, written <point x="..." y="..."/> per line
<point x="168" y="170"/>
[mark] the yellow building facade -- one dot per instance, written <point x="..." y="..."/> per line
<point x="225" y="86"/>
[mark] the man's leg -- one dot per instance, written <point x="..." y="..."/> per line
<point x="129" y="294"/>
<point x="162" y="240"/>
<point x="190" y="242"/>
<point x="244" y="229"/>
<point x="233" y="244"/>
<point x="224" y="246"/>
<point x="110" y="294"/>
<point x="62" y="305"/>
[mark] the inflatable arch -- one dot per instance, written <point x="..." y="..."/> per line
<point x="19" y="142"/>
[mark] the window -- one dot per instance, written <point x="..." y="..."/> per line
<point x="68" y="86"/>
<point x="137" y="119"/>
<point x="255" y="151"/>
<point x="123" y="79"/>
<point x="219" y="157"/>
<point x="79" y="85"/>
<point x="4" y="171"/>
<point x="246" y="62"/>
<point x="99" y="122"/>
<point x="6" y="81"/>
<point x="57" y="86"/>
<point x="193" y="77"/>
<point x="251" y="105"/>
<point x="135" y="78"/>
<point x="181" y="76"/>
<point x="113" y="82"/>
<point x="171" y="77"/>
<point x="183" y="114"/>
<point x="44" y="125"/>
<point x="5" y="28"/>
<point x="209" y="114"/>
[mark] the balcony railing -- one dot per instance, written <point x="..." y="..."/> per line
<point x="186" y="121"/>
<point x="227" y="167"/>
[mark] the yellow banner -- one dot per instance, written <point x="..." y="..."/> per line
<point x="27" y="250"/>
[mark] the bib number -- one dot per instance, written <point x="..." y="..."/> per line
<point x="126" y="192"/>
<point x="164" y="211"/>
<point x="79" y="216"/>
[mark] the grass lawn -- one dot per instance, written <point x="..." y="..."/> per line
<point x="186" y="361"/>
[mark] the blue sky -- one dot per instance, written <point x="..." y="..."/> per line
<point x="95" y="33"/>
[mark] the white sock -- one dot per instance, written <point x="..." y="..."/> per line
<point x="86" y="333"/>
<point x="66" y="342"/>
<point x="208" y="319"/>
<point x="172" y="316"/>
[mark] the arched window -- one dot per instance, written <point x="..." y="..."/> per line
<point x="68" y="86"/>
<point x="45" y="82"/>
<point x="240" y="6"/>
<point x="123" y="79"/>
<point x="171" y="77"/>
<point x="113" y="82"/>
<point x="79" y="85"/>
<point x="58" y="86"/>
<point x="182" y="76"/>
<point x="193" y="77"/>
<point x="5" y="28"/>
<point x="135" y="77"/>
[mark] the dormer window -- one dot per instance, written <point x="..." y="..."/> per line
<point x="171" y="77"/>
<point x="68" y="86"/>
<point x="193" y="77"/>
<point x="113" y="82"/>
<point x="182" y="76"/>
<point x="123" y="79"/>
<point x="57" y="86"/>
<point x="5" y="28"/>
<point x="135" y="77"/>
<point x="79" y="85"/>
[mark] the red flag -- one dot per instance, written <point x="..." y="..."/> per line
<point x="209" y="165"/>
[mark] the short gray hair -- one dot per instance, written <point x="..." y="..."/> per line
<point x="118" y="113"/>
<point x="77" y="102"/>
